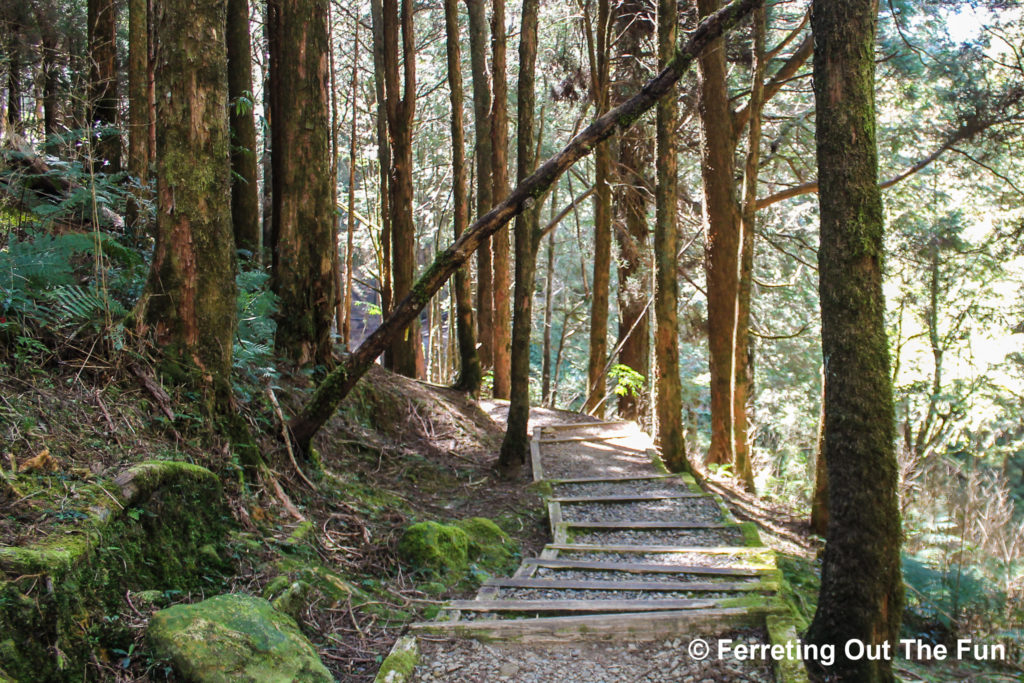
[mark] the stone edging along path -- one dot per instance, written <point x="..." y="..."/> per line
<point x="642" y="567"/>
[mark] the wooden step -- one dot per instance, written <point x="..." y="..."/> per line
<point x="642" y="567"/>
<point x="647" y="525"/>
<point x="597" y="480"/>
<point x="579" y="605"/>
<point x="585" y="425"/>
<point x="594" y="584"/>
<point x="596" y="437"/>
<point x="711" y="550"/>
<point x="626" y="497"/>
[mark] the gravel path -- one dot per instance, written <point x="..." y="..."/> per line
<point x="663" y="577"/>
<point x="654" y="487"/>
<point x="676" y="537"/>
<point x="578" y="459"/>
<point x="659" y="661"/>
<point x="667" y="559"/>
<point x="668" y="510"/>
<point x="590" y="594"/>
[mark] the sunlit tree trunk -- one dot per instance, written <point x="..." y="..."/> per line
<point x="502" y="281"/>
<point x="245" y="207"/>
<point x="346" y="324"/>
<point x="861" y="593"/>
<point x="549" y="307"/>
<point x="383" y="162"/>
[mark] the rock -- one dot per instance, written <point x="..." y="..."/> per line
<point x="437" y="549"/>
<point x="234" y="638"/>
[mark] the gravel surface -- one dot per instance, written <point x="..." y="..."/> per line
<point x="654" y="487"/>
<point x="577" y="459"/>
<point x="669" y="510"/>
<point x="668" y="559"/>
<point x="584" y="594"/>
<point x="663" y="577"/>
<point x="659" y="661"/>
<point x="676" y="537"/>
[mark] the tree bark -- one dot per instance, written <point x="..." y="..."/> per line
<point x="819" y="498"/>
<point x="484" y="180"/>
<point x="634" y="22"/>
<point x="346" y="324"/>
<point x="383" y="162"/>
<point x="400" y="99"/>
<point x="668" y="409"/>
<point x="245" y="204"/>
<point x="138" y="111"/>
<point x="303" y="276"/>
<point x="549" y="301"/>
<point x="191" y="289"/>
<point x="102" y="32"/>
<point x="469" y="364"/>
<point x="516" y="446"/>
<point x="502" y="281"/>
<point x="602" y="223"/>
<point x="339" y="382"/>
<point x="861" y="593"/>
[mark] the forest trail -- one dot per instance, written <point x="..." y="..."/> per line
<point x="641" y="567"/>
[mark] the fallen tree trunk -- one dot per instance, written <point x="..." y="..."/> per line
<point x="329" y="394"/>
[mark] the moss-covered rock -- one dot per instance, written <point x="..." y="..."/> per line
<point x="489" y="545"/>
<point x="436" y="549"/>
<point x="234" y="638"/>
<point x="398" y="667"/>
<point x="158" y="526"/>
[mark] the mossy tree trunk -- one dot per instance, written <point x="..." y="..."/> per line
<point x="598" y="357"/>
<point x="303" y="276"/>
<point x="516" y="445"/>
<point x="336" y="386"/>
<point x="668" y="401"/>
<point x="502" y="281"/>
<point x="102" y="34"/>
<point x="469" y="364"/>
<point x="245" y="207"/>
<point x="484" y="182"/>
<point x="861" y="587"/>
<point x="400" y="101"/>
<point x="191" y="303"/>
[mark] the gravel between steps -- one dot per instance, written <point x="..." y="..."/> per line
<point x="659" y="661"/>
<point x="670" y="510"/>
<point x="579" y="459"/>
<point x="675" y="537"/>
<point x="585" y="594"/>
<point x="661" y="577"/>
<point x="669" y="559"/>
<point x="654" y="487"/>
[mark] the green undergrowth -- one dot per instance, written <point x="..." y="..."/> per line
<point x="464" y="553"/>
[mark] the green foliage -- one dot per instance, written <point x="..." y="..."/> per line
<point x="257" y="305"/>
<point x="626" y="381"/>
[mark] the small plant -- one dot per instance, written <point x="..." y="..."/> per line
<point x="628" y="382"/>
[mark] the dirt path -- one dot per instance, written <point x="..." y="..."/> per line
<point x="643" y="570"/>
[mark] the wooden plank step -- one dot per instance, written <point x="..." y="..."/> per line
<point x="647" y="525"/>
<point x="642" y="567"/>
<point x="593" y="584"/>
<point x="585" y="425"/>
<point x="601" y="627"/>
<point x="579" y="605"/>
<point x="597" y="480"/>
<point x="596" y="437"/>
<point x="710" y="550"/>
<point x="627" y="497"/>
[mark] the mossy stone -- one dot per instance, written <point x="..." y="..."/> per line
<point x="438" y="549"/>
<point x="234" y="638"/>
<point x="489" y="545"/>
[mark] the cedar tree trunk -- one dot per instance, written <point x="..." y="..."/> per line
<point x="245" y="204"/>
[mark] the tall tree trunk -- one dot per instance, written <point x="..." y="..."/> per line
<point x="668" y="409"/>
<point x="138" y="110"/>
<point x="861" y="593"/>
<point x="484" y="180"/>
<point x="339" y="382"/>
<point x="722" y="229"/>
<point x="502" y="282"/>
<point x="270" y="11"/>
<point x="516" y="445"/>
<point x="303" y="276"/>
<point x="469" y="364"/>
<point x="49" y="46"/>
<point x="191" y="306"/>
<point x="102" y="29"/>
<point x="819" y="498"/>
<point x="13" y="50"/>
<point x="549" y="306"/>
<point x="346" y="325"/>
<point x="383" y="162"/>
<point x="400" y="102"/>
<point x="634" y="22"/>
<point x="602" y="222"/>
<point x="245" y="206"/>
<point x="742" y="351"/>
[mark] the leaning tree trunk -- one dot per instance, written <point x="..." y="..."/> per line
<point x="469" y="364"/>
<point x="861" y="593"/>
<point x="668" y="401"/>
<point x="516" y="445"/>
<point x="245" y="203"/>
<point x="484" y="182"/>
<point x="336" y="386"/>
<point x="502" y="281"/>
<point x="400" y="102"/>
<point x="598" y="358"/>
<point x="102" y="32"/>
<point x="303" y="275"/>
<point x="191" y="289"/>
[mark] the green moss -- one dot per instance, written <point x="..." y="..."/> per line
<point x="54" y="594"/>
<point x="400" y="664"/>
<point x="751" y="536"/>
<point x="489" y="545"/>
<point x="437" y="550"/>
